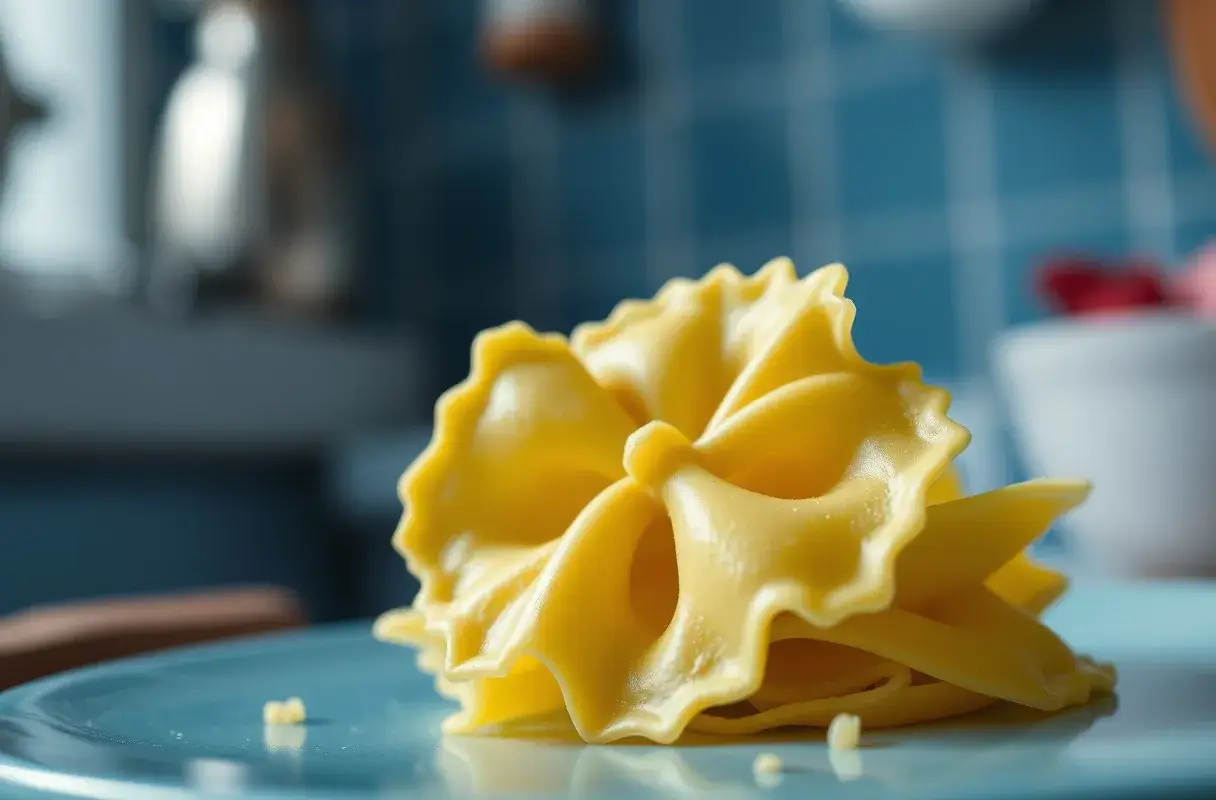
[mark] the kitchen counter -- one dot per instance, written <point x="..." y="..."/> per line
<point x="121" y="379"/>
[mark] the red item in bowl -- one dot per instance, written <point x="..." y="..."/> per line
<point x="1083" y="287"/>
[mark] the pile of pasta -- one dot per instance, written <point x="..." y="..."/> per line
<point x="710" y="513"/>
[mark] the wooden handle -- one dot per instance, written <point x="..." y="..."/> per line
<point x="49" y="639"/>
<point x="1191" y="32"/>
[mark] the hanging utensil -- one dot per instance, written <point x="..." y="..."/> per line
<point x="551" y="40"/>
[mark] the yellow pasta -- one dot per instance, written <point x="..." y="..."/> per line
<point x="844" y="733"/>
<point x="709" y="513"/>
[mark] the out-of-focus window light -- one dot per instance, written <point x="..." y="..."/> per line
<point x="62" y="211"/>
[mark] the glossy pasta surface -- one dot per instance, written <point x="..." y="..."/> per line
<point x="709" y="513"/>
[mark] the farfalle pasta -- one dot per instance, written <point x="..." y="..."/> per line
<point x="709" y="513"/>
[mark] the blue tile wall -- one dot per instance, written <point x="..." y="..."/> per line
<point x="475" y="238"/>
<point x="461" y="90"/>
<point x="602" y="183"/>
<point x="77" y="529"/>
<point x="1056" y="102"/>
<point x="740" y="173"/>
<point x="1188" y="152"/>
<point x="718" y="39"/>
<point x="440" y="158"/>
<point x="1053" y="92"/>
<point x="721" y="134"/>
<point x="721" y="131"/>
<point x="848" y="30"/>
<point x="1193" y="235"/>
<point x="881" y="294"/>
<point x="1079" y="113"/>
<point x="892" y="148"/>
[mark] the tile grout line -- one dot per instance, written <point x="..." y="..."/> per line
<point x="849" y="72"/>
<point x="1048" y="214"/>
<point x="817" y="77"/>
<point x="812" y="148"/>
<point x="1148" y="191"/>
<point x="1193" y="197"/>
<point x="976" y="237"/>
<point x="882" y="237"/>
<point x="974" y="213"/>
<point x="670" y="241"/>
<point x="535" y="203"/>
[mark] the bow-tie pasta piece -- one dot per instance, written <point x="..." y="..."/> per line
<point x="710" y="513"/>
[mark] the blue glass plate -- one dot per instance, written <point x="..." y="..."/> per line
<point x="188" y="724"/>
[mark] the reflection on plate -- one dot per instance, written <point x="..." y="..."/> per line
<point x="483" y="766"/>
<point x="178" y="724"/>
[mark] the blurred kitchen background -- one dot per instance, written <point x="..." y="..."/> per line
<point x="244" y="245"/>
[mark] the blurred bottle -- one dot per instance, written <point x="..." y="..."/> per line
<point x="17" y="109"/>
<point x="62" y="224"/>
<point x="249" y="203"/>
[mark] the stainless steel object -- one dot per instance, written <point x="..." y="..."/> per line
<point x="17" y="109"/>
<point x="248" y="204"/>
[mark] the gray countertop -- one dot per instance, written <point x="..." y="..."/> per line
<point x="128" y="381"/>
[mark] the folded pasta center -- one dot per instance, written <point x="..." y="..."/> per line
<point x="654" y="452"/>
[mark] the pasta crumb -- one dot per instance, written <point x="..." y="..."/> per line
<point x="767" y="768"/>
<point x="844" y="733"/>
<point x="289" y="712"/>
<point x="767" y="762"/>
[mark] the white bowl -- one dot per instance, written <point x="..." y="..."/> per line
<point x="1130" y="404"/>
